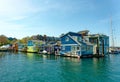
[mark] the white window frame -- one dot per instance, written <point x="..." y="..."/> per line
<point x="63" y="47"/>
<point x="67" y="39"/>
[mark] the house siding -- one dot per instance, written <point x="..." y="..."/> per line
<point x="63" y="40"/>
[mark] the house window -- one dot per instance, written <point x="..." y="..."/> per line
<point x="78" y="48"/>
<point x="88" y="47"/>
<point x="107" y="42"/>
<point x="73" y="48"/>
<point x="79" y="38"/>
<point x="74" y="37"/>
<point x="67" y="38"/>
<point x="63" y="47"/>
<point x="83" y="48"/>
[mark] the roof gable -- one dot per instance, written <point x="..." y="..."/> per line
<point x="70" y="40"/>
<point x="72" y="34"/>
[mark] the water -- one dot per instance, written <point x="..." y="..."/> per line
<point x="30" y="67"/>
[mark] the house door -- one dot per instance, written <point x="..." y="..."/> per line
<point x="97" y="50"/>
<point x="75" y="49"/>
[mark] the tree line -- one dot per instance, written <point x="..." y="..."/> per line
<point x="6" y="40"/>
<point x="9" y="40"/>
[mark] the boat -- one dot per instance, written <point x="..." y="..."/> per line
<point x="114" y="50"/>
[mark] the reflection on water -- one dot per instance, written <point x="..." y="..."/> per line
<point x="2" y="54"/>
<point x="32" y="67"/>
<point x="30" y="56"/>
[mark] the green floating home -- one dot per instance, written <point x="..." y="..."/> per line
<point x="32" y="46"/>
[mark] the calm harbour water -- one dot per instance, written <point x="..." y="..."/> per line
<point x="31" y="67"/>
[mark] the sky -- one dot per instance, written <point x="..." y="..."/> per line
<point x="21" y="18"/>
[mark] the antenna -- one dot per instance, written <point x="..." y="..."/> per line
<point x="112" y="37"/>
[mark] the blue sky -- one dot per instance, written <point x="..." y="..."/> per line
<point x="20" y="18"/>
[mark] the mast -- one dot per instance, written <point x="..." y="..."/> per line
<point x="112" y="37"/>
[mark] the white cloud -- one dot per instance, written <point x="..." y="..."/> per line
<point x="12" y="7"/>
<point x="70" y="6"/>
<point x="11" y="29"/>
<point x="23" y="8"/>
<point x="14" y="10"/>
<point x="6" y="26"/>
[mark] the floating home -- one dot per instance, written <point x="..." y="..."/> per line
<point x="22" y="47"/>
<point x="15" y="46"/>
<point x="7" y="47"/>
<point x="82" y="44"/>
<point x="100" y="43"/>
<point x="33" y="46"/>
<point x="73" y="45"/>
<point x="52" y="48"/>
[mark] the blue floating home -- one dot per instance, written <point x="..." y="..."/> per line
<point x="73" y="44"/>
<point x="82" y="44"/>
<point x="100" y="43"/>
